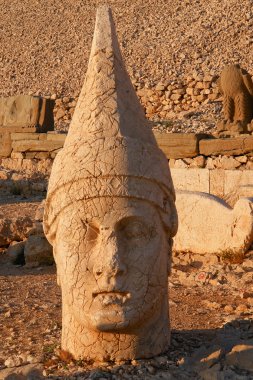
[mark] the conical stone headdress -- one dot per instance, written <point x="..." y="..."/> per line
<point x="110" y="150"/>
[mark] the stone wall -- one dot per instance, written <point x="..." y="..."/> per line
<point x="189" y="150"/>
<point x="158" y="101"/>
<point x="198" y="162"/>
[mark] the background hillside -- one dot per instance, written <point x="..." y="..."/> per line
<point x="45" y="44"/>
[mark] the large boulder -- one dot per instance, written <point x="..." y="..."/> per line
<point x="38" y="251"/>
<point x="15" y="252"/>
<point x="208" y="225"/>
<point x="15" y="229"/>
<point x="25" y="113"/>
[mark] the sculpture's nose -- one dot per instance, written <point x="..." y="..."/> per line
<point x="110" y="261"/>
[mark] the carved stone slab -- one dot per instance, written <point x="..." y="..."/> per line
<point x="35" y="145"/>
<point x="25" y="113"/>
<point x="208" y="225"/>
<point x="178" y="145"/>
<point x="227" y="146"/>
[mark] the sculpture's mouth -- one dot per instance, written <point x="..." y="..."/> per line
<point x="112" y="297"/>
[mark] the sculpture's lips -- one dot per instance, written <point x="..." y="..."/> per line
<point x="111" y="297"/>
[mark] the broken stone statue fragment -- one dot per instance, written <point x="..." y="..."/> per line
<point x="236" y="87"/>
<point x="208" y="225"/>
<point x="110" y="216"/>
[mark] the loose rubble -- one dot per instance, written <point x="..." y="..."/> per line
<point x="173" y="53"/>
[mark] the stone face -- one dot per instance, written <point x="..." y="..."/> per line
<point x="232" y="146"/>
<point x="178" y="145"/>
<point x="109" y="213"/>
<point x="26" y="112"/>
<point x="207" y="225"/>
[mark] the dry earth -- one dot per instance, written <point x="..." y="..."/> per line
<point x="45" y="45"/>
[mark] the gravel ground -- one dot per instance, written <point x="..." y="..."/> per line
<point x="45" y="44"/>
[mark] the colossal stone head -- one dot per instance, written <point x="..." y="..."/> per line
<point x="110" y="216"/>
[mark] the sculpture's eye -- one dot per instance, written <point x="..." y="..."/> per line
<point x="133" y="229"/>
<point x="91" y="231"/>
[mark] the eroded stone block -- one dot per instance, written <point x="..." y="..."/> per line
<point x="35" y="145"/>
<point x="237" y="89"/>
<point x="217" y="182"/>
<point x="26" y="113"/>
<point x="236" y="178"/>
<point x="191" y="179"/>
<point x="227" y="146"/>
<point x="5" y="145"/>
<point x="208" y="225"/>
<point x="28" y="136"/>
<point x="178" y="145"/>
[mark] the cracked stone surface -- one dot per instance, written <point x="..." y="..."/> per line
<point x="237" y="89"/>
<point x="110" y="216"/>
<point x="208" y="225"/>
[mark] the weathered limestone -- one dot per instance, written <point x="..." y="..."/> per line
<point x="191" y="179"/>
<point x="192" y="148"/>
<point x="178" y="145"/>
<point x="207" y="225"/>
<point x="25" y="113"/>
<point x="237" y="88"/>
<point x="233" y="179"/>
<point x="232" y="146"/>
<point x="109" y="213"/>
<point x="218" y="182"/>
<point x="35" y="145"/>
<point x="38" y="251"/>
<point x="15" y="229"/>
<point x="5" y="145"/>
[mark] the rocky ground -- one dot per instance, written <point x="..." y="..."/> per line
<point x="45" y="48"/>
<point x="44" y="51"/>
<point x="45" y="45"/>
<point x="211" y="312"/>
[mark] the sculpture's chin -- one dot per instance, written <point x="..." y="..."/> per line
<point x="111" y="319"/>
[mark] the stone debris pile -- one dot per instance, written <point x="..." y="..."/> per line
<point x="175" y="50"/>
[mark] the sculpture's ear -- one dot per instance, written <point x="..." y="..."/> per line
<point x="170" y="220"/>
<point x="50" y="230"/>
